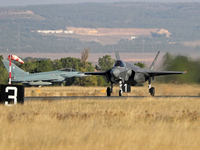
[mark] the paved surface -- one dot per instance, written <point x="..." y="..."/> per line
<point x="100" y="97"/>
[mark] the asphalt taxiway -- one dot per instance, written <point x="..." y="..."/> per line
<point x="101" y="97"/>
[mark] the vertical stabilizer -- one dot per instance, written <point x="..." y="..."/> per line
<point x="14" y="69"/>
<point x="117" y="55"/>
<point x="154" y="61"/>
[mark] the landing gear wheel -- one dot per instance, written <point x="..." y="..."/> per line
<point x="152" y="91"/>
<point x="120" y="92"/>
<point x="108" y="91"/>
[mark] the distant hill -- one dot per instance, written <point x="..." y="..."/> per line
<point x="179" y="21"/>
<point x="105" y="36"/>
<point x="47" y="2"/>
<point x="13" y="14"/>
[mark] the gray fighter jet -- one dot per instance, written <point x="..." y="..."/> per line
<point x="127" y="75"/>
<point x="42" y="78"/>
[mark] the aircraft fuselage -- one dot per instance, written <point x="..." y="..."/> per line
<point x="128" y="73"/>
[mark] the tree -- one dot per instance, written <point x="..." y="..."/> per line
<point x="57" y="64"/>
<point x="84" y="57"/>
<point x="141" y="65"/>
<point x="106" y="62"/>
<point x="70" y="62"/>
<point x="181" y="63"/>
<point x="44" y="65"/>
<point x="167" y="60"/>
<point x="3" y="72"/>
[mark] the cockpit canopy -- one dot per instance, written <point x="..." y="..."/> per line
<point x="119" y="63"/>
<point x="68" y="70"/>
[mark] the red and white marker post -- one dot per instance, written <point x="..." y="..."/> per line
<point x="16" y="58"/>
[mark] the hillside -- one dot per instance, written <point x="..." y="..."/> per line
<point x="112" y="31"/>
<point x="104" y="36"/>
<point x="178" y="23"/>
<point x="13" y="14"/>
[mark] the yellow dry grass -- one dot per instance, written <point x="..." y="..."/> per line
<point x="161" y="89"/>
<point x="124" y="123"/>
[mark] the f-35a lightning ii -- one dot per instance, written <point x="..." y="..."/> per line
<point x="42" y="78"/>
<point x="127" y="75"/>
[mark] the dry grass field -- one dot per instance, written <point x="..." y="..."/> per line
<point x="125" y="123"/>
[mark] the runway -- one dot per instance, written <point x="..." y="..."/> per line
<point x="101" y="97"/>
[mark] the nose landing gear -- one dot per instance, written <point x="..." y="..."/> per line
<point x="110" y="90"/>
<point x="120" y="88"/>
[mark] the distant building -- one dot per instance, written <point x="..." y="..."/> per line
<point x="55" y="31"/>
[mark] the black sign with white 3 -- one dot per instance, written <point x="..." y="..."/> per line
<point x="12" y="94"/>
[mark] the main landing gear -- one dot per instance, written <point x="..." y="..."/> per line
<point x="151" y="89"/>
<point x="110" y="90"/>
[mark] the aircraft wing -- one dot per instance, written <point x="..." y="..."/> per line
<point x="96" y="73"/>
<point x="161" y="73"/>
<point x="104" y="73"/>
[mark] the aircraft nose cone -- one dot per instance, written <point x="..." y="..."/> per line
<point x="115" y="72"/>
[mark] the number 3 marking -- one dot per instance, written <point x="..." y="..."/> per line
<point x="14" y="97"/>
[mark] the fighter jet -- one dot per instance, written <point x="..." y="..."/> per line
<point x="127" y="75"/>
<point x="42" y="78"/>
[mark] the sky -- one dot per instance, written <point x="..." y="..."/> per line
<point x="39" y="2"/>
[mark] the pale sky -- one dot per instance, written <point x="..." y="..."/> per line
<point x="38" y="2"/>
